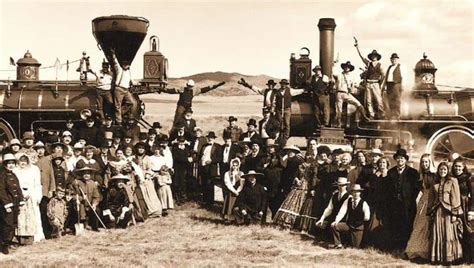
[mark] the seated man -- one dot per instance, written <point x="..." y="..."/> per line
<point x="350" y="218"/>
<point x="251" y="202"/>
<point x="118" y="208"/>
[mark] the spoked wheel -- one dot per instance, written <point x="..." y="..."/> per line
<point x="451" y="142"/>
<point x="6" y="133"/>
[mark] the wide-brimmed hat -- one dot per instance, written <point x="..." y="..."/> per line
<point x="232" y="118"/>
<point x="394" y="56"/>
<point x="374" y="53"/>
<point x="271" y="82"/>
<point x="66" y="133"/>
<point x="90" y="147"/>
<point x="271" y="143"/>
<point x="284" y="82"/>
<point x="62" y="145"/>
<point x="348" y="65"/>
<point x="156" y="125"/>
<point x="38" y="145"/>
<point x="245" y="141"/>
<point x="84" y="169"/>
<point x="190" y="83"/>
<point x="211" y="135"/>
<point x="356" y="188"/>
<point x="266" y="110"/>
<point x="15" y="142"/>
<point x="317" y="67"/>
<point x="342" y="181"/>
<point x="28" y="135"/>
<point x="252" y="122"/>
<point x="376" y="151"/>
<point x="401" y="152"/>
<point x="139" y="144"/>
<point x="78" y="146"/>
<point x="120" y="177"/>
<point x="291" y="148"/>
<point x="251" y="173"/>
<point x="9" y="157"/>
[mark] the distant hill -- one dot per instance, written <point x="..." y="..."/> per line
<point x="231" y="88"/>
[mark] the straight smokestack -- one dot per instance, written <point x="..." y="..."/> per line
<point x="326" y="44"/>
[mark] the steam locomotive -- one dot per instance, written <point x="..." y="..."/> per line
<point x="28" y="103"/>
<point x="434" y="121"/>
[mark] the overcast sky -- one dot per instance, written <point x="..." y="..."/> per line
<point x="249" y="37"/>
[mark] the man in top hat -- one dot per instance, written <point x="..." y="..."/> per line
<point x="251" y="201"/>
<point x="402" y="190"/>
<point x="105" y="102"/>
<point x="283" y="108"/>
<point x="103" y="158"/>
<point x="345" y="85"/>
<point x="319" y="87"/>
<point x="189" y="122"/>
<point x="255" y="157"/>
<point x="268" y="126"/>
<point x="395" y="80"/>
<point x="28" y="144"/>
<point x="186" y="96"/>
<point x="229" y="152"/>
<point x="90" y="132"/>
<point x="251" y="132"/>
<point x="233" y="130"/>
<point x="268" y="93"/>
<point x="335" y="203"/>
<point x="157" y="128"/>
<point x="209" y="159"/>
<point x="374" y="78"/>
<point x="351" y="217"/>
<point x="118" y="206"/>
<point x="11" y="198"/>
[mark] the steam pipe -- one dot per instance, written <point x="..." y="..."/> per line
<point x="326" y="44"/>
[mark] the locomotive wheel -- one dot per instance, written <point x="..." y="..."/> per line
<point x="452" y="140"/>
<point x="6" y="132"/>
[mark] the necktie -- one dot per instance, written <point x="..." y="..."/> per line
<point x="354" y="204"/>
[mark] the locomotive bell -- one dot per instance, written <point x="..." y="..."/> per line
<point x="300" y="69"/>
<point x="155" y="64"/>
<point x="124" y="34"/>
<point x="27" y="68"/>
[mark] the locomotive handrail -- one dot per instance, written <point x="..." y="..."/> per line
<point x="48" y="82"/>
<point x="423" y="121"/>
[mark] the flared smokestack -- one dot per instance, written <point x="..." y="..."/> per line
<point x="326" y="44"/>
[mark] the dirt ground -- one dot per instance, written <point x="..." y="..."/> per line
<point x="191" y="236"/>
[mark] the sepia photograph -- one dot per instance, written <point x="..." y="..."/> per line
<point x="236" y="133"/>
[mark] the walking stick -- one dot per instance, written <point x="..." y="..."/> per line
<point x="95" y="213"/>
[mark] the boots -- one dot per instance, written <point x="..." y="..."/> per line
<point x="363" y="114"/>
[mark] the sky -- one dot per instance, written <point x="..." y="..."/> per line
<point x="249" y="37"/>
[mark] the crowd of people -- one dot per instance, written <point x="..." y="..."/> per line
<point x="110" y="177"/>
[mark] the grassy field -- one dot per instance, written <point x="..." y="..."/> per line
<point x="191" y="236"/>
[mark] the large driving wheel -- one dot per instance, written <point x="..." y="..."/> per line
<point x="452" y="140"/>
<point x="6" y="132"/>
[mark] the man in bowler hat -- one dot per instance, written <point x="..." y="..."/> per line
<point x="395" y="79"/>
<point x="209" y="159"/>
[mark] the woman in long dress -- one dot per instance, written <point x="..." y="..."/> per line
<point x="419" y="243"/>
<point x="29" y="218"/>
<point x="233" y="186"/>
<point x="289" y="211"/>
<point x="444" y="206"/>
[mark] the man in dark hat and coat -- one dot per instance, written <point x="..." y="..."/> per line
<point x="182" y="166"/>
<point x="251" y="202"/>
<point x="319" y="87"/>
<point x="90" y="132"/>
<point x="403" y="187"/>
<point x="209" y="159"/>
<point x="345" y="85"/>
<point x="395" y="79"/>
<point x="374" y="78"/>
<point x="268" y="126"/>
<point x="233" y="130"/>
<point x="268" y="93"/>
<point x="251" y="133"/>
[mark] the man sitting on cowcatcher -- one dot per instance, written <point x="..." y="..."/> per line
<point x="251" y="202"/>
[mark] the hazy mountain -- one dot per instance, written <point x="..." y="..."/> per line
<point x="231" y="88"/>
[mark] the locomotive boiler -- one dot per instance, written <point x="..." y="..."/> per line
<point x="440" y="122"/>
<point x="29" y="103"/>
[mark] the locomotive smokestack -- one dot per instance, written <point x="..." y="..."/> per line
<point x="326" y="44"/>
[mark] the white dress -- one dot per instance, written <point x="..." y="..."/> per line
<point x="30" y="183"/>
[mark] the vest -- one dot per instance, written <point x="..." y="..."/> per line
<point x="374" y="73"/>
<point x="355" y="216"/>
<point x="318" y="86"/>
<point x="186" y="98"/>
<point x="286" y="98"/>
<point x="337" y="204"/>
<point x="397" y="75"/>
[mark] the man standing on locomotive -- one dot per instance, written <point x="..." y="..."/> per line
<point x="344" y="86"/>
<point x="122" y="81"/>
<point x="395" y="80"/>
<point x="104" y="94"/>
<point x="374" y="78"/>
<point x="319" y="89"/>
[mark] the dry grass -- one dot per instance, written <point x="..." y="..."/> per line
<point x="192" y="236"/>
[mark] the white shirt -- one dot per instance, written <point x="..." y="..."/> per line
<point x="264" y="133"/>
<point x="225" y="158"/>
<point x="206" y="154"/>
<point x="104" y="81"/>
<point x="329" y="209"/>
<point x="390" y="71"/>
<point x="345" y="82"/>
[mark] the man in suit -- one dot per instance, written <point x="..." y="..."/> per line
<point x="209" y="159"/>
<point x="107" y="126"/>
<point x="251" y="132"/>
<point x="268" y="126"/>
<point x="182" y="165"/>
<point x="229" y="152"/>
<point x="251" y="202"/>
<point x="180" y="132"/>
<point x="395" y="79"/>
<point x="403" y="187"/>
<point x="196" y="147"/>
<point x="103" y="159"/>
<point x="255" y="157"/>
<point x="89" y="133"/>
<point x="189" y="122"/>
<point x="233" y="130"/>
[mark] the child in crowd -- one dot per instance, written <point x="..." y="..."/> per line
<point x="58" y="212"/>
